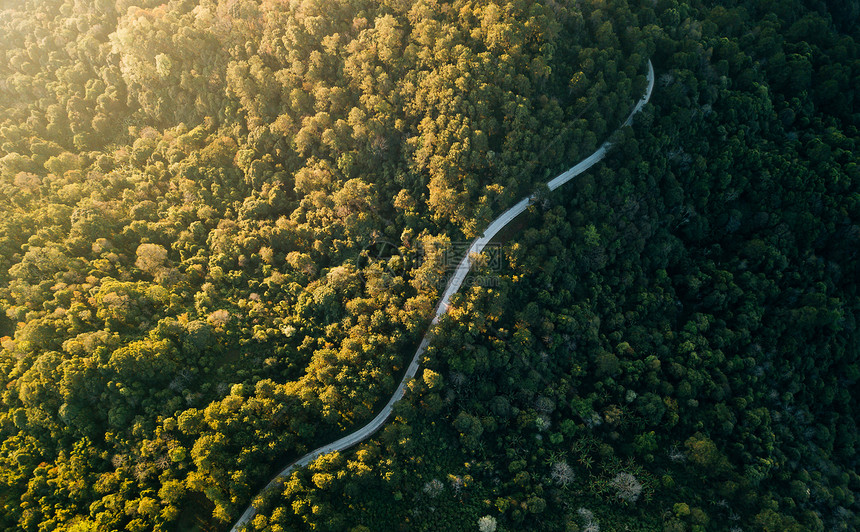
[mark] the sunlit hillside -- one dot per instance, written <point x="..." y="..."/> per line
<point x="226" y="226"/>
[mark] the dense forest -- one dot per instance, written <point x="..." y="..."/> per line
<point x="226" y="225"/>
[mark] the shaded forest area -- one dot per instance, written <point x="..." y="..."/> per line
<point x="225" y="224"/>
<point x="671" y="344"/>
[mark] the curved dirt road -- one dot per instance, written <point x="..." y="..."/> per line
<point x="453" y="286"/>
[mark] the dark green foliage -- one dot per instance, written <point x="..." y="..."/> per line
<point x="689" y="309"/>
<point x="224" y="232"/>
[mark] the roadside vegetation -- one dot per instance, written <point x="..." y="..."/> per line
<point x="226" y="223"/>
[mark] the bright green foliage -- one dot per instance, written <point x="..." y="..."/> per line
<point x="226" y="223"/>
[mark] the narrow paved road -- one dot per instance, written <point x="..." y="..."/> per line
<point x="453" y="286"/>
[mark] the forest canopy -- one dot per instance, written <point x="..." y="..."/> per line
<point x="226" y="225"/>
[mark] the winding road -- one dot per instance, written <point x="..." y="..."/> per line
<point x="453" y="286"/>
